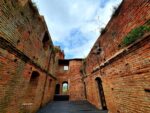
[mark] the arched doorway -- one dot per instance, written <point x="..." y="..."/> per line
<point x="65" y="87"/>
<point x="101" y="93"/>
<point x="61" y="94"/>
<point x="57" y="89"/>
<point x="32" y="86"/>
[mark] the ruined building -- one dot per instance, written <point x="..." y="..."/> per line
<point x="114" y="76"/>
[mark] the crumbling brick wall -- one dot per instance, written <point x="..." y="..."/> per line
<point x="25" y="47"/>
<point x="124" y="71"/>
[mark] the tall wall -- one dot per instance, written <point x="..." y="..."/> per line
<point x="26" y="76"/>
<point x="74" y="78"/>
<point x="76" y="87"/>
<point x="29" y="62"/>
<point x="124" y="70"/>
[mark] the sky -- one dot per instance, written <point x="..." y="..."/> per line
<point x="75" y="25"/>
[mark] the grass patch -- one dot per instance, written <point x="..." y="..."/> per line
<point x="56" y="49"/>
<point x="134" y="35"/>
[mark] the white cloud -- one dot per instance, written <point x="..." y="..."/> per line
<point x="65" y="16"/>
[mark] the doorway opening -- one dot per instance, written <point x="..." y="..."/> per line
<point x="101" y="93"/>
<point x="57" y="90"/>
<point x="65" y="87"/>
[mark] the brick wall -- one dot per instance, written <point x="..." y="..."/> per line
<point x="124" y="71"/>
<point x="26" y="68"/>
<point x="74" y="78"/>
<point x="76" y="87"/>
<point x="29" y="62"/>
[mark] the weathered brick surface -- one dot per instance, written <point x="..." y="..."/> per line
<point x="22" y="51"/>
<point x="126" y="77"/>
<point x="74" y="78"/>
<point x="76" y="86"/>
<point x="125" y="71"/>
<point x="25" y="29"/>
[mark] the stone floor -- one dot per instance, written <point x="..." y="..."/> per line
<point x="70" y="107"/>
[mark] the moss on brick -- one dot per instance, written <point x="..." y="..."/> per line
<point x="134" y="35"/>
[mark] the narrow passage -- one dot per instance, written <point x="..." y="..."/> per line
<point x="70" y="107"/>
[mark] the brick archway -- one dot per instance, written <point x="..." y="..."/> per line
<point x="65" y="87"/>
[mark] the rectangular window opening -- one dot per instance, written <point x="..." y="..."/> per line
<point x="147" y="90"/>
<point x="66" y="68"/>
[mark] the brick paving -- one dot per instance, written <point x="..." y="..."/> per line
<point x="70" y="107"/>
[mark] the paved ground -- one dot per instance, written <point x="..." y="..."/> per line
<point x="70" y="107"/>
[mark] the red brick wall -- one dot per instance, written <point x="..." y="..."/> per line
<point x="126" y="76"/>
<point x="49" y="91"/>
<point x="76" y="87"/>
<point x="22" y="30"/>
<point x="62" y="76"/>
<point x="74" y="79"/>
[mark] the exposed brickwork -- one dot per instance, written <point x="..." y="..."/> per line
<point x="74" y="78"/>
<point x="125" y="71"/>
<point x="30" y="66"/>
<point x="22" y="52"/>
<point x="76" y="86"/>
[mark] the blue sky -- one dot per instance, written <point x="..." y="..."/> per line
<point x="74" y="25"/>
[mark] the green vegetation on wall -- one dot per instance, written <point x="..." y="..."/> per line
<point x="135" y="34"/>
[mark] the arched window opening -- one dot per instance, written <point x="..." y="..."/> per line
<point x="57" y="89"/>
<point x="46" y="41"/>
<point x="34" y="78"/>
<point x="65" y="88"/>
<point x="33" y="83"/>
<point x="101" y="93"/>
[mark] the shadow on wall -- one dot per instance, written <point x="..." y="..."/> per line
<point x="101" y="93"/>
